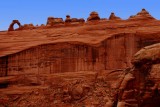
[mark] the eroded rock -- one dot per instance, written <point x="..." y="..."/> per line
<point x="143" y="15"/>
<point x="52" y="21"/>
<point x="68" y="19"/>
<point x="11" y="28"/>
<point x="145" y="87"/>
<point x="93" y="16"/>
<point x="114" y="17"/>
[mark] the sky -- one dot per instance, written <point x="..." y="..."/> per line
<point x="37" y="11"/>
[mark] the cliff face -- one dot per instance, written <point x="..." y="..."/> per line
<point x="137" y="86"/>
<point x="113" y="53"/>
<point x="72" y="57"/>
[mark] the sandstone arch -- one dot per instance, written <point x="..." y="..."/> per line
<point x="11" y="28"/>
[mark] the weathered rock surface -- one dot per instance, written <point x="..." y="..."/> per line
<point x="52" y="21"/>
<point x="143" y="15"/>
<point x="143" y="90"/>
<point x="74" y="50"/>
<point x="12" y="24"/>
<point x="68" y="18"/>
<point x="62" y="89"/>
<point x="148" y="54"/>
<point x="132" y="87"/>
<point x="79" y="65"/>
<point x="28" y="26"/>
<point x="114" y="17"/>
<point x="93" y="16"/>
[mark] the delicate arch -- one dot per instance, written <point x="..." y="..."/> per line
<point x="11" y="28"/>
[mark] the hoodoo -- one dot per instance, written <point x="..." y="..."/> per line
<point x="143" y="15"/>
<point x="114" y="17"/>
<point x="68" y="18"/>
<point x="93" y="16"/>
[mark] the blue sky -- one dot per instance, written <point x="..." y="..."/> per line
<point x="37" y="11"/>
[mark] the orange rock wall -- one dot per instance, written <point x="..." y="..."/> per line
<point x="113" y="53"/>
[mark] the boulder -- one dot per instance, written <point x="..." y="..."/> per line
<point x="114" y="17"/>
<point x="52" y="21"/>
<point x="77" y="92"/>
<point x="149" y="54"/>
<point x="146" y="71"/>
<point x="93" y="16"/>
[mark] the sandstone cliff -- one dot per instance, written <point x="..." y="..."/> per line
<point x="94" y="63"/>
<point x="75" y="48"/>
<point x="132" y="87"/>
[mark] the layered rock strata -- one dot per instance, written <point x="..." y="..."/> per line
<point x="73" y="57"/>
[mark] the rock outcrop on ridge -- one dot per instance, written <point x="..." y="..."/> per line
<point x="93" y="16"/>
<point x="143" y="15"/>
<point x="114" y="17"/>
<point x="52" y="21"/>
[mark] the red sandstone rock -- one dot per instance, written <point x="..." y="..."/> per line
<point x="114" y="17"/>
<point x="12" y="24"/>
<point x="143" y="15"/>
<point x="93" y="16"/>
<point x="52" y="21"/>
<point x="28" y="26"/>
<point x="81" y="20"/>
<point x="145" y="84"/>
<point x="96" y="53"/>
<point x="74" y="20"/>
<point x="84" y="65"/>
<point x="77" y="20"/>
<point x="68" y="18"/>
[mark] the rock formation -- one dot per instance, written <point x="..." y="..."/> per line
<point x="143" y="15"/>
<point x="52" y="21"/>
<point x="11" y="28"/>
<point x="93" y="16"/>
<point x="92" y="53"/>
<point x="68" y="19"/>
<point x="132" y="87"/>
<point x="114" y="17"/>
<point x="101" y="64"/>
<point x="144" y="90"/>
<point x="81" y="20"/>
<point x="28" y="26"/>
<point x="74" y="20"/>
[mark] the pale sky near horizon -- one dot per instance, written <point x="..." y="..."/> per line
<point x="37" y="11"/>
